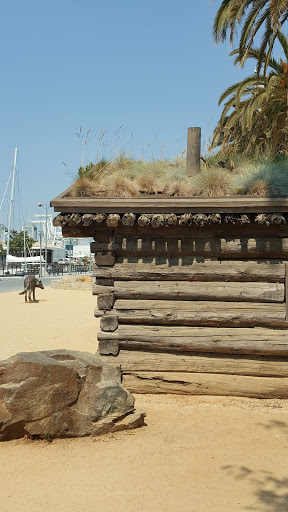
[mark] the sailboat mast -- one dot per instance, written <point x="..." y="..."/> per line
<point x="11" y="205"/>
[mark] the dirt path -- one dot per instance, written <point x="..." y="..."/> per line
<point x="196" y="454"/>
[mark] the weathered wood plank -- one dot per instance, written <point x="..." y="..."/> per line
<point x="242" y="204"/>
<point x="199" y="363"/>
<point x="256" y="341"/>
<point x="103" y="281"/>
<point x="262" y="270"/>
<point x="206" y="384"/>
<point x="222" y="317"/>
<point x="201" y="306"/>
<point x="250" y="292"/>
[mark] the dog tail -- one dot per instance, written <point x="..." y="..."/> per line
<point x="25" y="290"/>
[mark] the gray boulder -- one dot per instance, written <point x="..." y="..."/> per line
<point x="63" y="393"/>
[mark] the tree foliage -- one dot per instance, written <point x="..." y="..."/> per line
<point x="254" y="117"/>
<point x="17" y="242"/>
<point x="253" y="16"/>
<point x="2" y="251"/>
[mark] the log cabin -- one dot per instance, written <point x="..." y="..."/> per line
<point x="191" y="292"/>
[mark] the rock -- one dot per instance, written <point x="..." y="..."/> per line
<point x="63" y="393"/>
<point x="131" y="421"/>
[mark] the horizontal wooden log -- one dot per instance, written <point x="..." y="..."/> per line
<point x="256" y="341"/>
<point x="104" y="281"/>
<point x="200" y="306"/>
<point x="238" y="248"/>
<point x="266" y="271"/>
<point x="261" y="366"/>
<point x="101" y="236"/>
<point x="250" y="292"/>
<point x="206" y="384"/>
<point x="225" y="314"/>
<point x="102" y="246"/>
<point x="78" y="231"/>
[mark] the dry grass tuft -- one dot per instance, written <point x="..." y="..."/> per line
<point x="213" y="182"/>
<point x="84" y="187"/>
<point x="147" y="184"/>
<point x="183" y="188"/>
<point x="119" y="186"/>
<point x="257" y="188"/>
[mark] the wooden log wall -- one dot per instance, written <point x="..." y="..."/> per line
<point x="193" y="302"/>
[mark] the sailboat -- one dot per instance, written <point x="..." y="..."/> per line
<point x="9" y="257"/>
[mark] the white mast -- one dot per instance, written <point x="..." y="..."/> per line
<point x="11" y="206"/>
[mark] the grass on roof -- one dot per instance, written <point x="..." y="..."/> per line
<point x="127" y="177"/>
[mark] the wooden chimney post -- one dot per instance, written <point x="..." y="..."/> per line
<point x="193" y="151"/>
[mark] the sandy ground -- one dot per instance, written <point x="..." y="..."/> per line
<point x="196" y="454"/>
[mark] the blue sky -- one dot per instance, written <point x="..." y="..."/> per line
<point x="141" y="71"/>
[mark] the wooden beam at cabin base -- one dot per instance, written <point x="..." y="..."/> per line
<point x="205" y="384"/>
<point x="261" y="366"/>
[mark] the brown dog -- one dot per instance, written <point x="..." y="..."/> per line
<point x="30" y="283"/>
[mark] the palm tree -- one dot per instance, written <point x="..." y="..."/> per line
<point x="254" y="117"/>
<point x="252" y="15"/>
